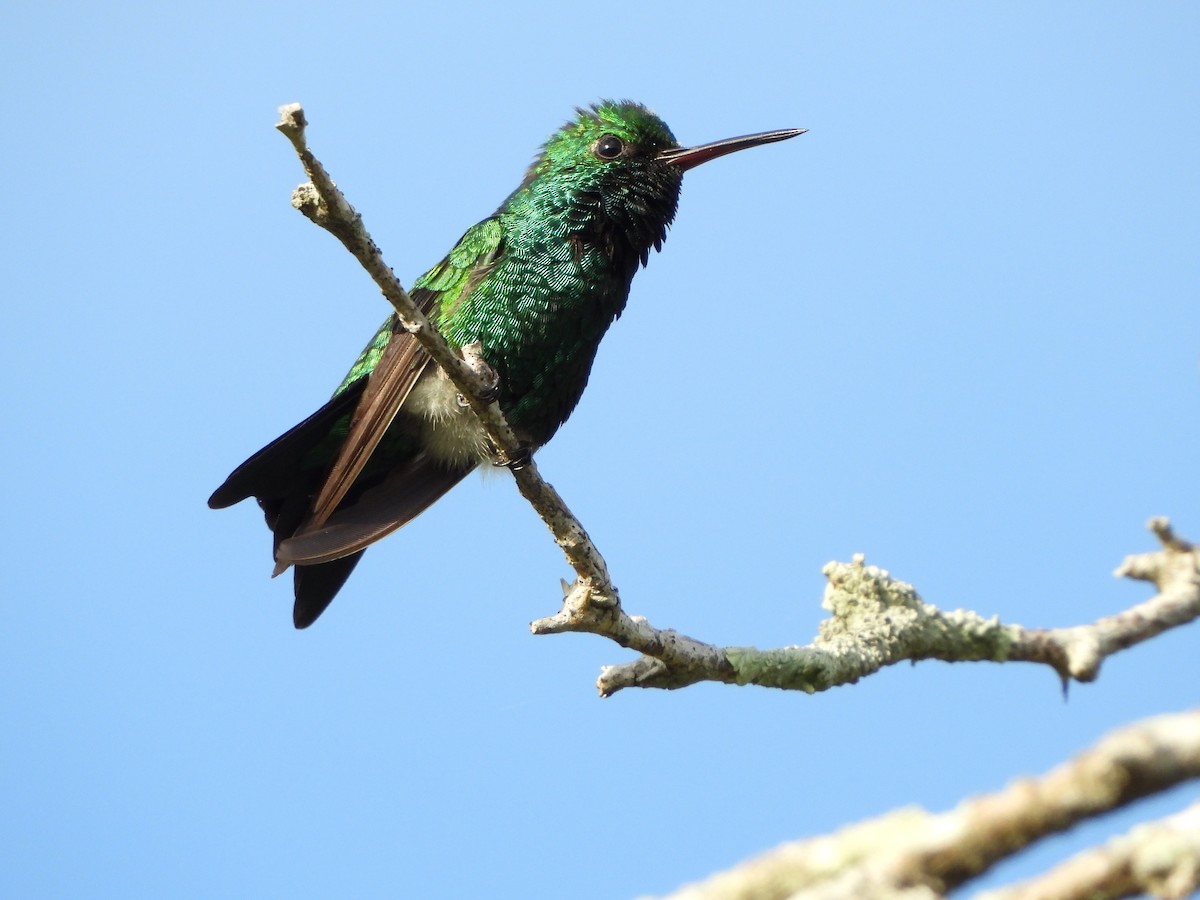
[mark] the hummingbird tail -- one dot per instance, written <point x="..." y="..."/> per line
<point x="282" y="477"/>
<point x="276" y="469"/>
<point x="316" y="586"/>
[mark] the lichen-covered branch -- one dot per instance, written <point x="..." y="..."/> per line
<point x="877" y="621"/>
<point x="1158" y="858"/>
<point x="911" y="853"/>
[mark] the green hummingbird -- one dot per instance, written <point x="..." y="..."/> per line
<point x="537" y="283"/>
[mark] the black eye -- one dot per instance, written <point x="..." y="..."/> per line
<point x="609" y="147"/>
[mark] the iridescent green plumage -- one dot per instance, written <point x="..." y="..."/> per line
<point x="537" y="284"/>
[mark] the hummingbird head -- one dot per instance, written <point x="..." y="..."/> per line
<point x="599" y="177"/>
<point x="611" y="178"/>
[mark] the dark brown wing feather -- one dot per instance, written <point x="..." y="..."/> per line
<point x="323" y="541"/>
<point x="404" y="494"/>
<point x="388" y="386"/>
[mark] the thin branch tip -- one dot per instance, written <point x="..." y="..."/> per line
<point x="1161" y="526"/>
<point x="292" y="121"/>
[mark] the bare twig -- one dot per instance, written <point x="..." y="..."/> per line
<point x="1077" y="652"/>
<point x="912" y="853"/>
<point x="322" y="202"/>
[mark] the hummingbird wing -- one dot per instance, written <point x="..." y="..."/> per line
<point x="388" y="386"/>
<point x="407" y="491"/>
<point x="333" y="530"/>
<point x="322" y="514"/>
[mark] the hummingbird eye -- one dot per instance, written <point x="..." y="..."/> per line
<point x="609" y="147"/>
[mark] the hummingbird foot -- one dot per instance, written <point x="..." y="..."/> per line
<point x="487" y="395"/>
<point x="519" y="460"/>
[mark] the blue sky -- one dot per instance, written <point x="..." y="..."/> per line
<point x="954" y="327"/>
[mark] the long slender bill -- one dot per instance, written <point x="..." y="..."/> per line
<point x="685" y="158"/>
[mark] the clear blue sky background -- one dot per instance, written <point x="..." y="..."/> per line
<point x="954" y="327"/>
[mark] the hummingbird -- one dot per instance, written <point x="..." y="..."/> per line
<point x="537" y="284"/>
